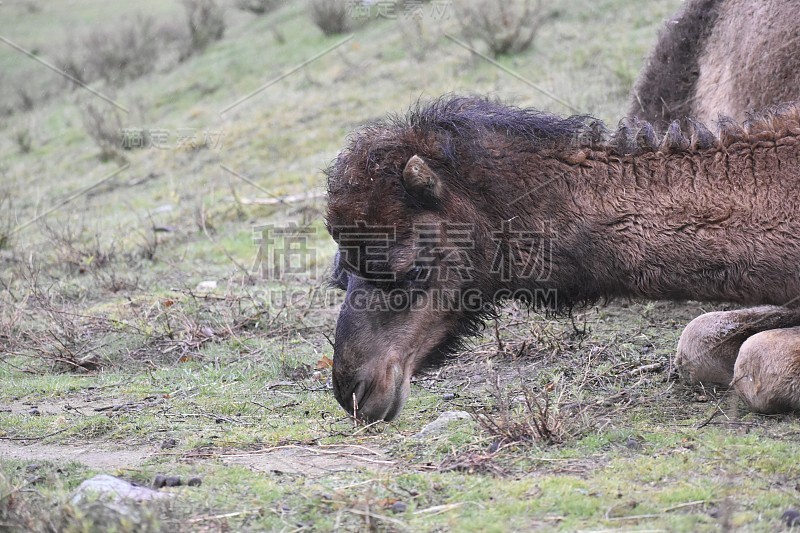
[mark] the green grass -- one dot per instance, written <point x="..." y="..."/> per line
<point x="638" y="452"/>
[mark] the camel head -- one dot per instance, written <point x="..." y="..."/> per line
<point x="418" y="216"/>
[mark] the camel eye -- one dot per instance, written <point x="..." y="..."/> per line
<point x="417" y="273"/>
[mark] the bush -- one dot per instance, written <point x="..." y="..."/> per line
<point x="331" y="16"/>
<point x="505" y="26"/>
<point x="7" y="220"/>
<point x="22" y="136"/>
<point x="206" y="20"/>
<point x="103" y="123"/>
<point x="126" y="53"/>
<point x="128" y="50"/>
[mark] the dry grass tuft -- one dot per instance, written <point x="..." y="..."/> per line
<point x="524" y="415"/>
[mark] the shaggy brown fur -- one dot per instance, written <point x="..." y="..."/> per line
<point x="689" y="215"/>
<point x="721" y="57"/>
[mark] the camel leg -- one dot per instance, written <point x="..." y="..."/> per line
<point x="709" y="346"/>
<point x="767" y="372"/>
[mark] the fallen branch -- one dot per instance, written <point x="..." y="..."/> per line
<point x="40" y="437"/>
<point x="221" y="516"/>
<point x="653" y="367"/>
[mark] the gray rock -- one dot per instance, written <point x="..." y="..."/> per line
<point x="399" y="507"/>
<point x="440" y="423"/>
<point x="114" y="490"/>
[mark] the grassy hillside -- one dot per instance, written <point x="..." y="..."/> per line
<point x="134" y="324"/>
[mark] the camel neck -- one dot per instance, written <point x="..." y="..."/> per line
<point x="716" y="225"/>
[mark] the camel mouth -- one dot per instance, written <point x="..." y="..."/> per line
<point x="380" y="399"/>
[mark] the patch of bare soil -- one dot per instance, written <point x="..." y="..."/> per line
<point x="98" y="457"/>
<point x="312" y="461"/>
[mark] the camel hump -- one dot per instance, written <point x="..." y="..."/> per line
<point x="666" y="86"/>
<point x="721" y="57"/>
<point x="701" y="138"/>
<point x="780" y="119"/>
<point x="674" y="139"/>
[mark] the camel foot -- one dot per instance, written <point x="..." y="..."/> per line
<point x="767" y="372"/>
<point x="709" y="345"/>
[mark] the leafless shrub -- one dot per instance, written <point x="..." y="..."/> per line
<point x="505" y="26"/>
<point x="70" y="60"/>
<point x="174" y="42"/>
<point x="148" y="245"/>
<point x="103" y="123"/>
<point x="206" y="20"/>
<point x="331" y="16"/>
<point x="82" y="252"/>
<point x="523" y="415"/>
<point x="78" y="249"/>
<point x="259" y="7"/>
<point x="25" y="97"/>
<point x="125" y="53"/>
<point x="10" y="317"/>
<point x="114" y="280"/>
<point x="22" y="136"/>
<point x="6" y="104"/>
<point x="7" y="220"/>
<point x="419" y="37"/>
<point x="128" y="50"/>
<point x="50" y="334"/>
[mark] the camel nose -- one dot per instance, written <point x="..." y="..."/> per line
<point x="367" y="407"/>
<point x="350" y="398"/>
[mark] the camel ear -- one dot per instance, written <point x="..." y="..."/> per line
<point x="420" y="180"/>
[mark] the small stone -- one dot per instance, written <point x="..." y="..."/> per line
<point x="168" y="443"/>
<point x="206" y="286"/>
<point x="34" y="412"/>
<point x="194" y="482"/>
<point x="438" y="425"/>
<point x="399" y="507"/>
<point x="791" y="518"/>
<point x="33" y="467"/>
<point x="173" y="481"/>
<point x="448" y="396"/>
<point x="159" y="481"/>
<point x="166" y="208"/>
<point x="111" y="488"/>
